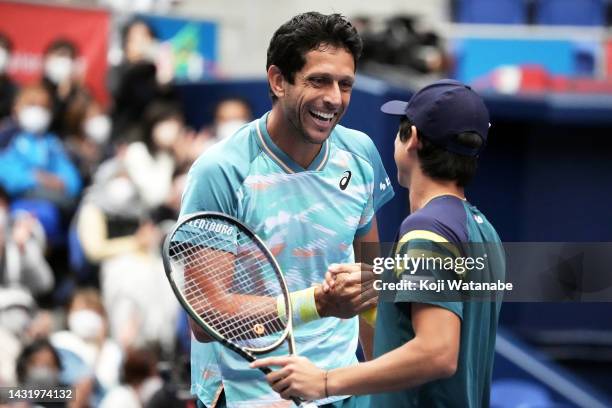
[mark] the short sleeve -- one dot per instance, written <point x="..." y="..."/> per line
<point x="425" y="270"/>
<point x="381" y="191"/>
<point x="209" y="187"/>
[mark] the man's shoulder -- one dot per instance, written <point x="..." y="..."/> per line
<point x="353" y="141"/>
<point x="443" y="217"/>
<point x="233" y="154"/>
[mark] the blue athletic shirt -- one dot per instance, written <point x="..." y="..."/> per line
<point x="446" y="227"/>
<point x="308" y="218"/>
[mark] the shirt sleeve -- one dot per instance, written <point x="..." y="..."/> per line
<point x="423" y="259"/>
<point x="381" y="191"/>
<point x="209" y="187"/>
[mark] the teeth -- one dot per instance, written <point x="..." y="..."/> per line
<point x="326" y="116"/>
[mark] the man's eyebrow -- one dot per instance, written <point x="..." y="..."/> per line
<point x="328" y="75"/>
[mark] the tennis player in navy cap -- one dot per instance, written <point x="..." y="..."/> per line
<point x="432" y="349"/>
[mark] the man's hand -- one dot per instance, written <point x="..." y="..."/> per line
<point x="346" y="291"/>
<point x="298" y="377"/>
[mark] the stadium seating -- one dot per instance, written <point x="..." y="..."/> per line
<point x="491" y="12"/>
<point x="510" y="393"/>
<point x="570" y="12"/>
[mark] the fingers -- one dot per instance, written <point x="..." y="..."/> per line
<point x="367" y="305"/>
<point x="279" y="361"/>
<point x="335" y="269"/>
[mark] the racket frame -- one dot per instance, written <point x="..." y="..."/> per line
<point x="245" y="352"/>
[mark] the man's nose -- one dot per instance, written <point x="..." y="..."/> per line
<point x="333" y="96"/>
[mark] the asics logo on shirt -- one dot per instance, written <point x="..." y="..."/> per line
<point x="384" y="184"/>
<point x="344" y="181"/>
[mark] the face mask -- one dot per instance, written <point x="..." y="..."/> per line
<point x="120" y="191"/>
<point x="42" y="375"/>
<point x="4" y="60"/>
<point x="15" y="320"/>
<point x="86" y="324"/>
<point x="97" y="128"/>
<point x="34" y="119"/>
<point x="226" y="129"/>
<point x="58" y="69"/>
<point x="3" y="219"/>
<point x="165" y="133"/>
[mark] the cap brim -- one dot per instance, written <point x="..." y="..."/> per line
<point x="394" y="108"/>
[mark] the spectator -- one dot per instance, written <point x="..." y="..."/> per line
<point x="22" y="244"/>
<point x="230" y="115"/>
<point x="16" y="311"/>
<point x="141" y="382"/>
<point x="137" y="82"/>
<point x="150" y="164"/>
<point x="35" y="167"/>
<point x="63" y="79"/>
<point x="88" y="133"/>
<point x="39" y="365"/>
<point x="113" y="232"/>
<point x="8" y="88"/>
<point x="95" y="355"/>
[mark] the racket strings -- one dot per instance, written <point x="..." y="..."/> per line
<point x="230" y="283"/>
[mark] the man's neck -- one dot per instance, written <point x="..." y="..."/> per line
<point x="288" y="139"/>
<point x="423" y="189"/>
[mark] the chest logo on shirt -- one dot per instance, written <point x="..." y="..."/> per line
<point x="344" y="181"/>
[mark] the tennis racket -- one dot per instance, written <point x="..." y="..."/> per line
<point x="229" y="282"/>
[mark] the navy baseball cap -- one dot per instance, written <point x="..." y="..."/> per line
<point x="443" y="110"/>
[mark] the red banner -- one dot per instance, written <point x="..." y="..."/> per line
<point x="32" y="27"/>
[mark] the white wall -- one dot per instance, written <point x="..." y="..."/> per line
<point x="246" y="26"/>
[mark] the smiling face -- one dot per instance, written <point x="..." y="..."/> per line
<point x="320" y="93"/>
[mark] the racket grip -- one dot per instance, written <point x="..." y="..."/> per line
<point x="299" y="402"/>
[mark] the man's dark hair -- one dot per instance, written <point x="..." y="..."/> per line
<point x="440" y="164"/>
<point x="306" y="32"/>
<point x="62" y="44"/>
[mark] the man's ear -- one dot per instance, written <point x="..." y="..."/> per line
<point x="414" y="142"/>
<point x="276" y="81"/>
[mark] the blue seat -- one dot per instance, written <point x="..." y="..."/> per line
<point x="571" y="12"/>
<point x="491" y="12"/>
<point x="511" y="393"/>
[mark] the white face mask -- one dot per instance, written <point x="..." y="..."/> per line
<point x="58" y="69"/>
<point x="166" y="133"/>
<point x="86" y="324"/>
<point x="226" y="129"/>
<point x="15" y="320"/>
<point x="4" y="60"/>
<point x="34" y="119"/>
<point x="120" y="191"/>
<point x="97" y="128"/>
<point x="42" y="376"/>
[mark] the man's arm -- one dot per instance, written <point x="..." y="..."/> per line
<point x="199" y="333"/>
<point x="430" y="355"/>
<point x="366" y="249"/>
<point x="347" y="289"/>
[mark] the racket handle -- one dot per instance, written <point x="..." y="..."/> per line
<point x="298" y="401"/>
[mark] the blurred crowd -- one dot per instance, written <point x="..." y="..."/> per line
<point x="87" y="193"/>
